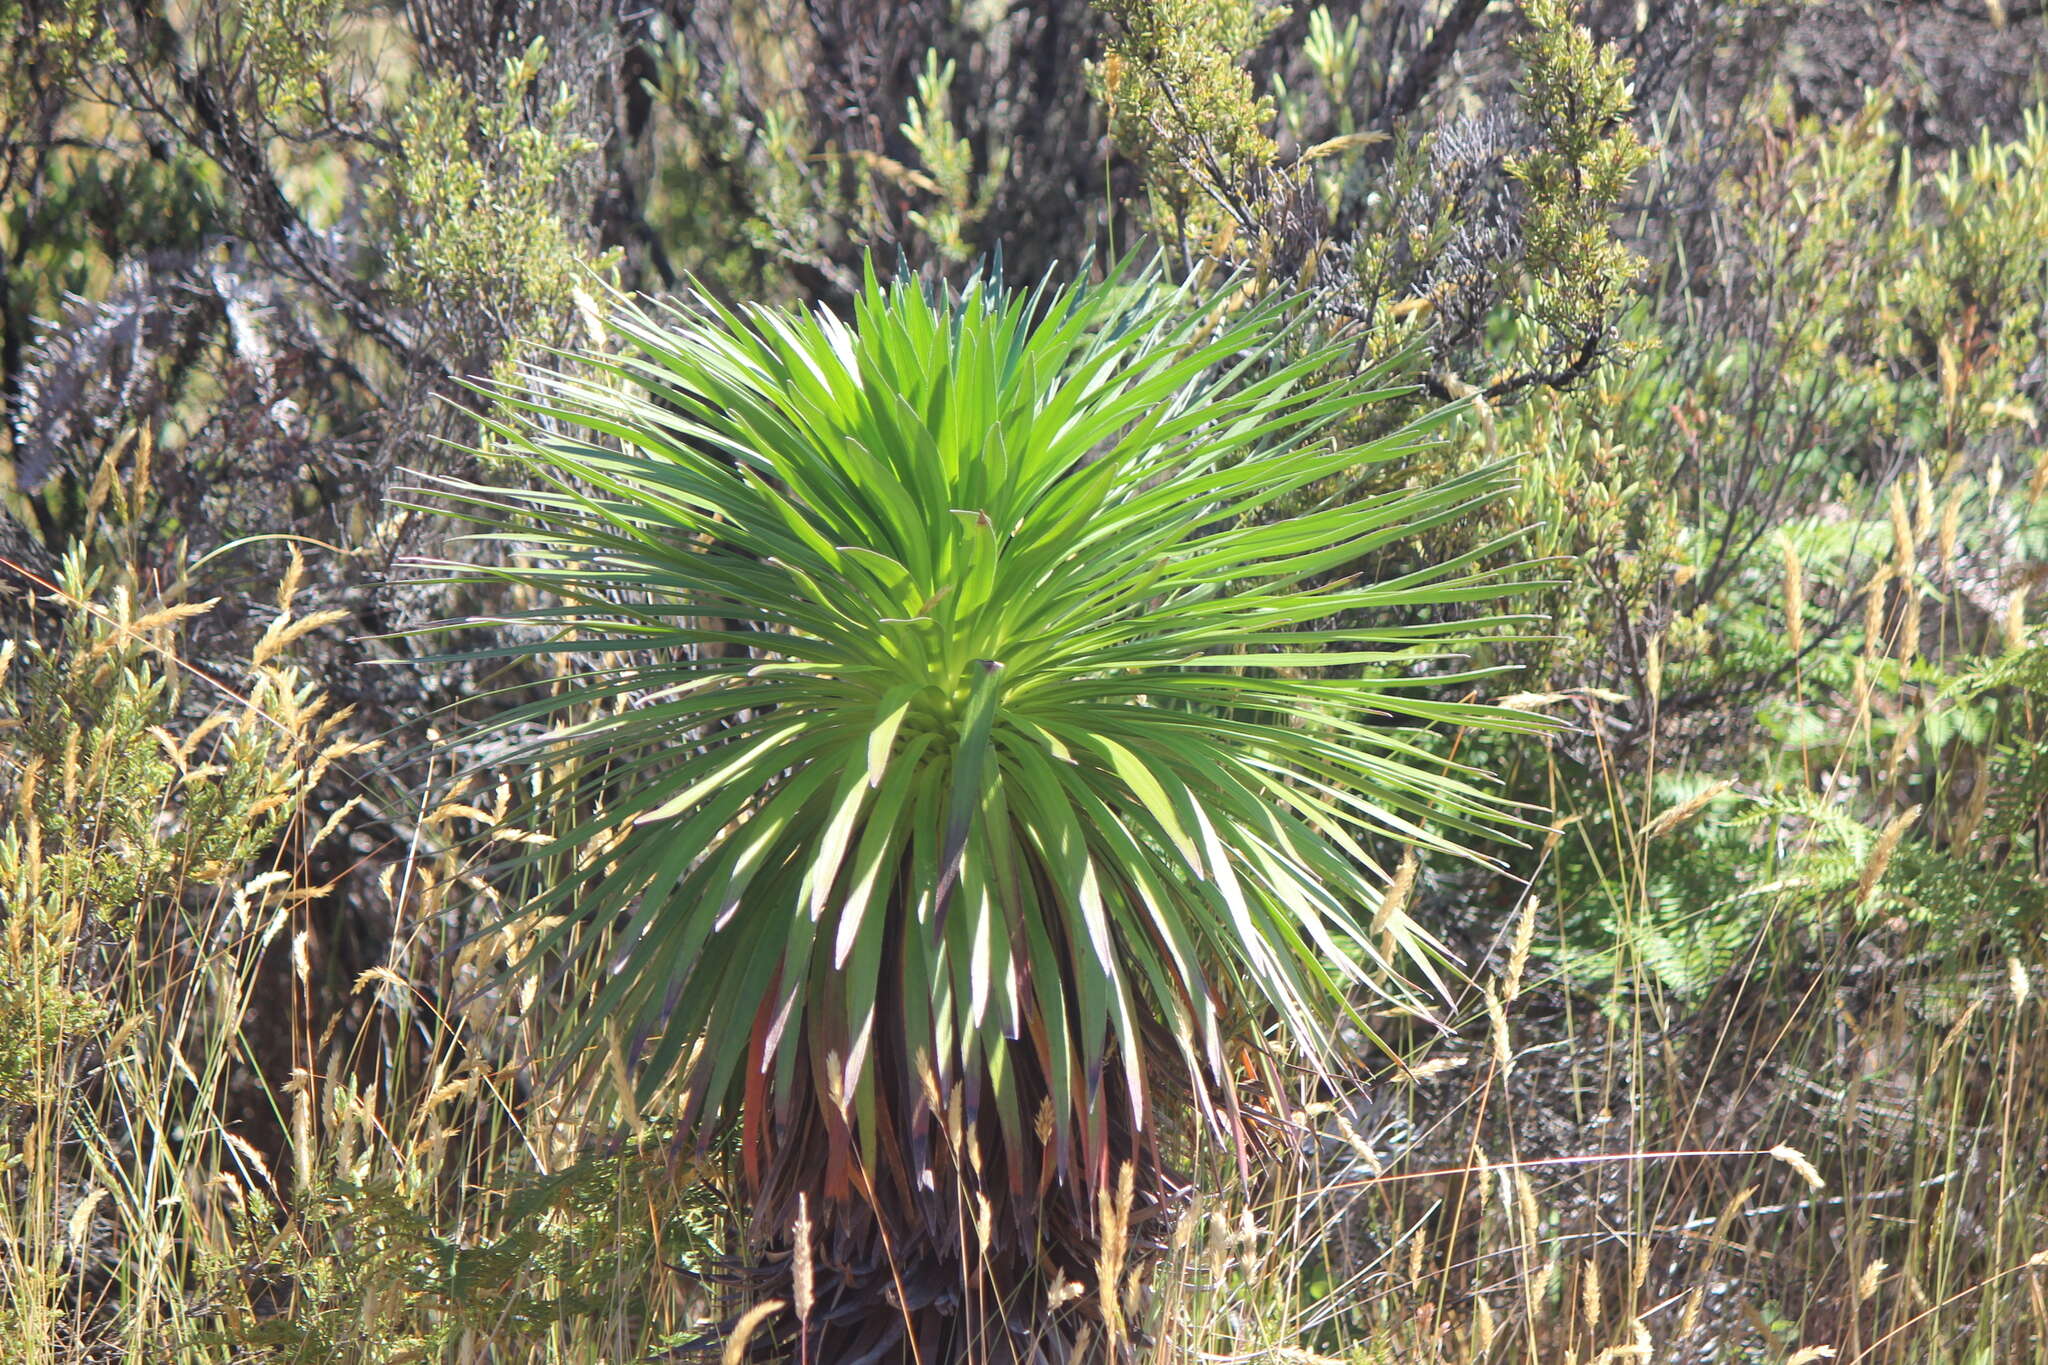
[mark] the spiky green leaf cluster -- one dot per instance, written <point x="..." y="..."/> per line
<point x="957" y="699"/>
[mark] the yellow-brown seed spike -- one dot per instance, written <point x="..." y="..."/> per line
<point x="1518" y="950"/>
<point x="1873" y="610"/>
<point x="2016" y="620"/>
<point x="71" y="766"/>
<point x="1951" y="527"/>
<point x="735" y="1352"/>
<point x="1909" y="629"/>
<point x="1398" y="890"/>
<point x="288" y="588"/>
<point x="32" y="830"/>
<point x="170" y="616"/>
<point x="1482" y="1179"/>
<point x="1689" y="1316"/>
<point x="1114" y="1216"/>
<point x="103" y="478"/>
<point x="1880" y="858"/>
<point x="304" y="1156"/>
<point x="1729" y="1213"/>
<point x="139" y="482"/>
<point x="284" y="632"/>
<point x="1393" y="903"/>
<point x="803" y="1273"/>
<point x="1218" y="1246"/>
<point x="1503" y="1055"/>
<point x="1677" y="815"/>
<point x="1902" y="533"/>
<point x="1796" y="1159"/>
<point x="1544" y="1283"/>
<point x="1356" y="1141"/>
<point x="1795" y="599"/>
<point x="1482" y="1327"/>
<point x="1525" y="1205"/>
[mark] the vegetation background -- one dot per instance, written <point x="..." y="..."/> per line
<point x="1743" y="1060"/>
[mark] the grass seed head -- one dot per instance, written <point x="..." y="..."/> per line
<point x="1881" y="856"/>
<point x="1796" y="1159"/>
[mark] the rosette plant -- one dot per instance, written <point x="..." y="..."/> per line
<point x="986" y="772"/>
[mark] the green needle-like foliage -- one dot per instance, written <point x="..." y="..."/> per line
<point x="978" y="769"/>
